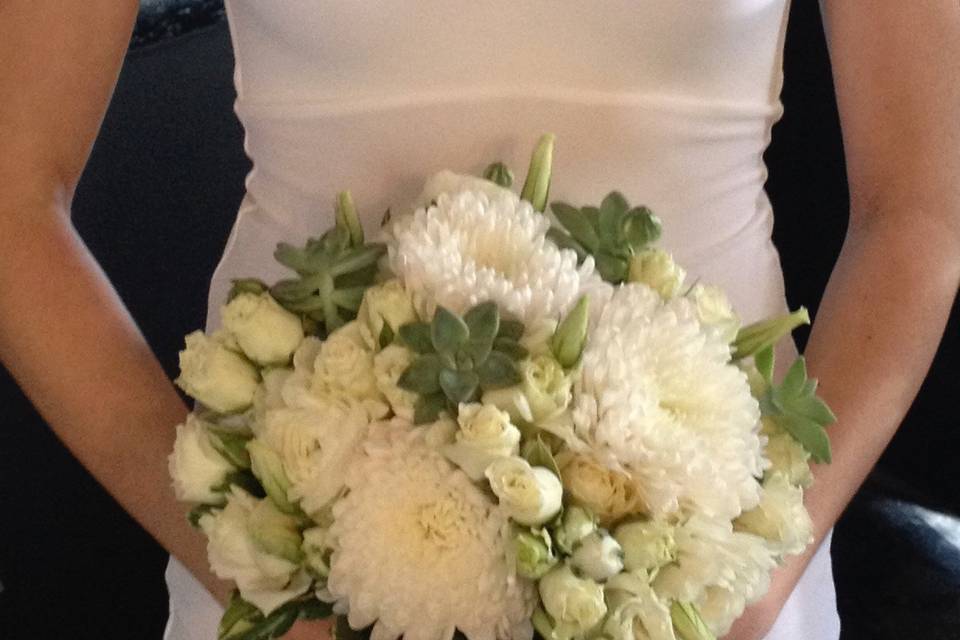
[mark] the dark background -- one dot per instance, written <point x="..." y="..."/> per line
<point x="155" y="206"/>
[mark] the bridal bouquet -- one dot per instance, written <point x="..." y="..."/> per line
<point x="503" y="420"/>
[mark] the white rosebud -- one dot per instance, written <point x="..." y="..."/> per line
<point x="576" y="604"/>
<point x="787" y="456"/>
<point x="529" y="495"/>
<point x="608" y="494"/>
<point x="195" y="464"/>
<point x="317" y="550"/>
<point x="598" y="556"/>
<point x="451" y="183"/>
<point x="388" y="366"/>
<point x="715" y="312"/>
<point x="485" y="435"/>
<point x="216" y="376"/>
<point x="647" y="544"/>
<point x="275" y="532"/>
<point x="578" y="523"/>
<point x="267" y="466"/>
<point x="546" y="386"/>
<point x="534" y="554"/>
<point x="780" y="518"/>
<point x="264" y="579"/>
<point x="656" y="269"/>
<point x="266" y="332"/>
<point x="384" y="305"/>
<point x="344" y="367"/>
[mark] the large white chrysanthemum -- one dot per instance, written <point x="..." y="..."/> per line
<point x="658" y="397"/>
<point x="716" y="567"/>
<point x="420" y="550"/>
<point x="472" y="246"/>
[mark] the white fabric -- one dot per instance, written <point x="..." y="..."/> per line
<point x="670" y="101"/>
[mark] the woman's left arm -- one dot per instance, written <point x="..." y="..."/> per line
<point x="897" y="73"/>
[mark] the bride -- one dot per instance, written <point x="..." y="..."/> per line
<point x="671" y="102"/>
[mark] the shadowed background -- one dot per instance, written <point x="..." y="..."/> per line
<point x="155" y="206"/>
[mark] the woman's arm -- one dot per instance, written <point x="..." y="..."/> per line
<point x="897" y="72"/>
<point x="64" y="334"/>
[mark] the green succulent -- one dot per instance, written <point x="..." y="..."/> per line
<point x="499" y="174"/>
<point x="612" y="233"/>
<point x="460" y="357"/>
<point x="334" y="271"/>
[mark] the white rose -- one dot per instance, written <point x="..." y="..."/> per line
<point x="608" y="494"/>
<point x="598" y="556"/>
<point x="576" y="604"/>
<point x="578" y="523"/>
<point x="315" y="446"/>
<point x="529" y="495"/>
<point x="216" y="376"/>
<point x="269" y="396"/>
<point x="656" y="269"/>
<point x="546" y="386"/>
<point x="265" y="331"/>
<point x="485" y="435"/>
<point x="195" y="464"/>
<point x="715" y="312"/>
<point x="388" y="366"/>
<point x="451" y="183"/>
<point x="264" y="579"/>
<point x="780" y="518"/>
<point x="388" y="305"/>
<point x="647" y="544"/>
<point x="344" y="367"/>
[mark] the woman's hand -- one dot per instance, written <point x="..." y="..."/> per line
<point x="311" y="630"/>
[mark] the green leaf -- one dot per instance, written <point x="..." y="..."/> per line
<point x="349" y="298"/>
<point x="386" y="336"/>
<point x="809" y="434"/>
<point x="238" y="611"/>
<point x="342" y="631"/>
<point x="313" y="609"/>
<point x="565" y="241"/>
<point x="246" y="285"/>
<point x="244" y="479"/>
<point x="292" y="258"/>
<point x="359" y="258"/>
<point x="427" y="408"/>
<point x="536" y="188"/>
<point x="459" y="386"/>
<point x="613" y="209"/>
<point x="688" y="623"/>
<point x="577" y="225"/>
<point x="416" y="335"/>
<point x="273" y="626"/>
<point x="510" y="348"/>
<point x="347" y="218"/>
<point x="795" y="406"/>
<point x="538" y="454"/>
<point x="293" y="290"/>
<point x="641" y="228"/>
<point x="483" y="321"/>
<point x="423" y="375"/>
<point x="448" y="332"/>
<point x="499" y="174"/>
<point x="510" y="329"/>
<point x="498" y="371"/>
<point x="612" y="269"/>
<point x="764" y="360"/>
<point x="232" y="446"/>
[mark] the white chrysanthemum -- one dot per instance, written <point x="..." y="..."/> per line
<point x="420" y="550"/>
<point x="472" y="247"/>
<point x="658" y="397"/>
<point x="711" y="554"/>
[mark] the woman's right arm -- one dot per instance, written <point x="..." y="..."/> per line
<point x="64" y="334"/>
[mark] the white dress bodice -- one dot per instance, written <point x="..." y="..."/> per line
<point x="669" y="101"/>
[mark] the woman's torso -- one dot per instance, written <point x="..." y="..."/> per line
<point x="669" y="101"/>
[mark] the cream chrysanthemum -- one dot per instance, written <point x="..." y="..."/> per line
<point x="420" y="550"/>
<point x="471" y="247"/>
<point x="658" y="398"/>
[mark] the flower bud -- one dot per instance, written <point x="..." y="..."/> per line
<point x="578" y="523"/>
<point x="216" y="376"/>
<point x="715" y="312"/>
<point x="485" y="435"/>
<point x="576" y="604"/>
<point x="197" y="468"/>
<point x="656" y="269"/>
<point x="760" y="335"/>
<point x="647" y="544"/>
<point x="267" y="466"/>
<point x="534" y="554"/>
<point x="499" y="174"/>
<point x="687" y="622"/>
<point x="598" y="556"/>
<point x="385" y="308"/>
<point x="266" y="332"/>
<point x="529" y="495"/>
<point x="571" y="336"/>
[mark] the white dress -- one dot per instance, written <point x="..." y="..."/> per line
<point x="669" y="101"/>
